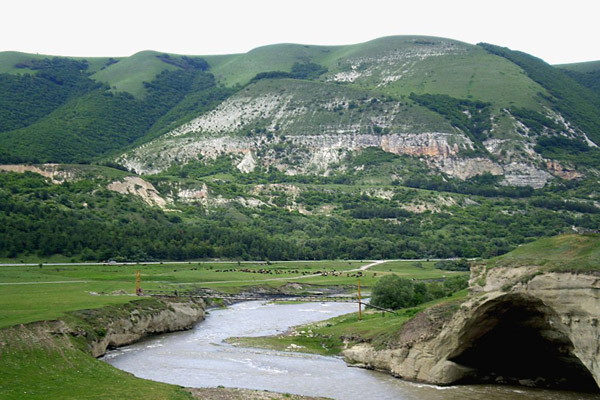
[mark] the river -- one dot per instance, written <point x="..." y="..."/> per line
<point x="200" y="358"/>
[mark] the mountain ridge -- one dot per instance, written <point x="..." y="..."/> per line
<point x="487" y="96"/>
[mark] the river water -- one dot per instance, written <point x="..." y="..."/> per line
<point x="200" y="358"/>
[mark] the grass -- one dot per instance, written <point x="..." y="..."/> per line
<point x="8" y="59"/>
<point x="413" y="269"/>
<point x="38" y="366"/>
<point x="471" y="73"/>
<point x="22" y="300"/>
<point x="572" y="252"/>
<point x="37" y="302"/>
<point x="240" y="68"/>
<point x="589" y="66"/>
<point x="129" y="74"/>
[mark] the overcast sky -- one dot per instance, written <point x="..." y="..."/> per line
<point x="557" y="31"/>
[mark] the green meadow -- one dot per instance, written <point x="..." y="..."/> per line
<point x="35" y="293"/>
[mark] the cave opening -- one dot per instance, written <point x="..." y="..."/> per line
<point x="518" y="340"/>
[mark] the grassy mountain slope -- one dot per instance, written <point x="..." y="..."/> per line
<point x="496" y="103"/>
<point x="8" y="60"/>
<point x="129" y="74"/>
<point x="587" y="74"/>
<point x="397" y="65"/>
<point x="564" y="252"/>
<point x="579" y="104"/>
<point x="241" y="68"/>
<point x="589" y="66"/>
<point x="404" y="64"/>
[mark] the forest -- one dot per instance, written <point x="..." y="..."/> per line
<point x="84" y="220"/>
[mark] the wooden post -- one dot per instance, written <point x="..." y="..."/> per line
<point x="359" y="303"/>
<point x="138" y="283"/>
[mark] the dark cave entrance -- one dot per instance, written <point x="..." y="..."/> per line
<point x="515" y="339"/>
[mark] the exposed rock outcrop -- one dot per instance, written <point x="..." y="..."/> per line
<point x="520" y="326"/>
<point x="116" y="326"/>
<point x="55" y="172"/>
<point x="176" y="316"/>
<point x="138" y="187"/>
<point x="318" y="152"/>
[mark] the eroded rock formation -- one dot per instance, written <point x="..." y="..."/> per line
<point x="520" y="326"/>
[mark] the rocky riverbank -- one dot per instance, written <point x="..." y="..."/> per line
<point x="523" y="325"/>
<point x="245" y="394"/>
<point x="143" y="319"/>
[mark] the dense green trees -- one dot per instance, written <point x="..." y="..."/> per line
<point x="394" y="292"/>
<point x="84" y="219"/>
<point x="590" y="79"/>
<point x="480" y="185"/>
<point x="575" y="151"/>
<point x="61" y="115"/>
<point x="453" y="265"/>
<point x="471" y="117"/>
<point x="299" y="71"/>
<point x="26" y="98"/>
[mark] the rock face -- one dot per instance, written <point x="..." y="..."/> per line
<point x="174" y="316"/>
<point x="303" y="127"/>
<point x="520" y="326"/>
<point x="138" y="187"/>
<point x="53" y="171"/>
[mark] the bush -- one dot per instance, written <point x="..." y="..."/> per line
<point x="393" y="292"/>
<point x="453" y="265"/>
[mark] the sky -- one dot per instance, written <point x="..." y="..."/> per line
<point x="556" y="31"/>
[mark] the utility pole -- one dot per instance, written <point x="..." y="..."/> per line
<point x="138" y="283"/>
<point x="359" y="303"/>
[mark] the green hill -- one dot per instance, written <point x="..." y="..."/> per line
<point x="68" y="117"/>
<point x="588" y="66"/>
<point x="587" y="74"/>
<point x="129" y="74"/>
<point x="10" y="59"/>
<point x="468" y="104"/>
<point x="565" y="252"/>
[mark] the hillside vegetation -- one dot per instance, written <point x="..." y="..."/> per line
<point x="84" y="220"/>
<point x="578" y="253"/>
<point x="400" y="147"/>
<point x="97" y="107"/>
<point x="586" y="73"/>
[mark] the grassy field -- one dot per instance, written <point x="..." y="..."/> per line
<point x="46" y="367"/>
<point x="414" y="269"/>
<point x="34" y="293"/>
<point x="578" y="253"/>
